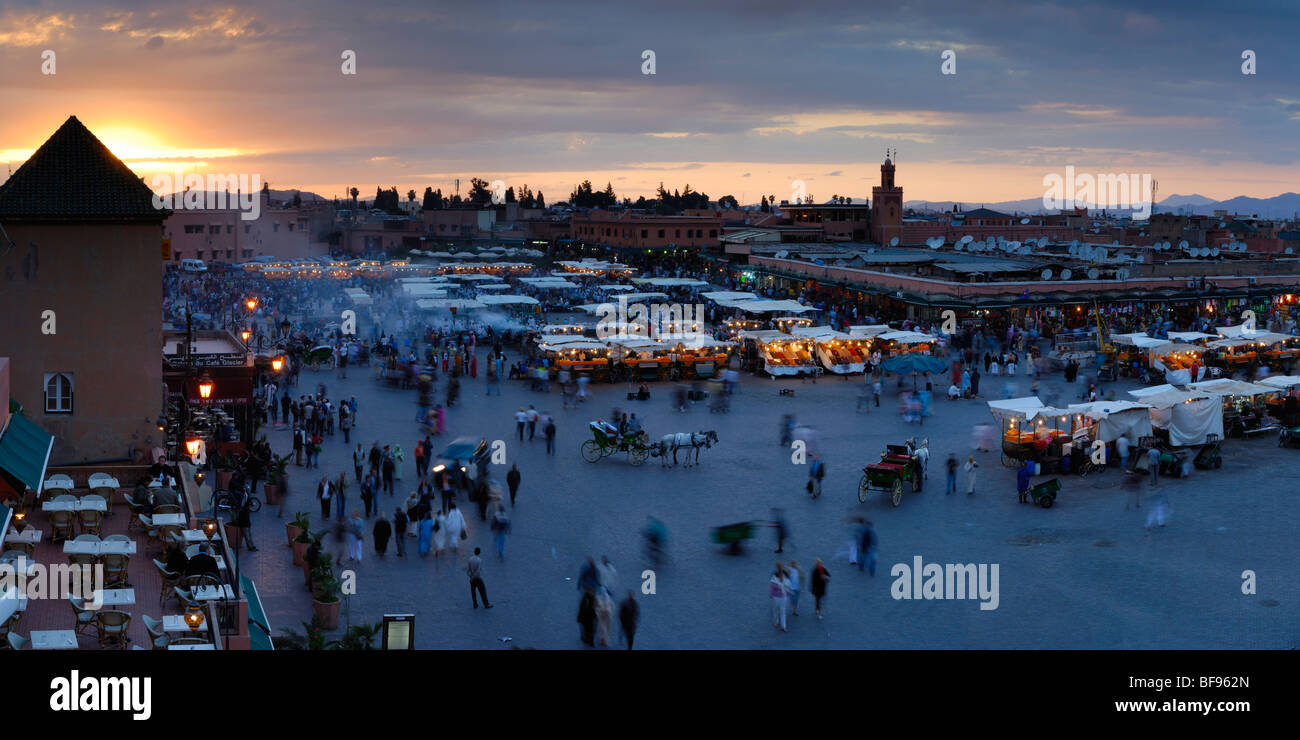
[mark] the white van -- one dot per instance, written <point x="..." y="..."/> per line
<point x="193" y="266"/>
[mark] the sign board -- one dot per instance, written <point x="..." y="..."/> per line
<point x="224" y="359"/>
<point x="399" y="632"/>
<point x="167" y="249"/>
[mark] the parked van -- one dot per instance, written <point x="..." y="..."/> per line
<point x="193" y="266"/>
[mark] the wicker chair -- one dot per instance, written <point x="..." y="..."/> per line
<point x="115" y="569"/>
<point x="90" y="521"/>
<point x="108" y="494"/>
<point x="112" y="627"/>
<point x="170" y="581"/>
<point x="137" y="508"/>
<point x="61" y="522"/>
<point x="16" y="641"/>
<point x="85" y="617"/>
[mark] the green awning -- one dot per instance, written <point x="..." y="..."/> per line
<point x="259" y="629"/>
<point x="24" y="453"/>
<point x="6" y="514"/>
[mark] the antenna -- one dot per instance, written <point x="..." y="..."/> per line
<point x="1155" y="185"/>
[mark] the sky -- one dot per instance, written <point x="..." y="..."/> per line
<point x="747" y="97"/>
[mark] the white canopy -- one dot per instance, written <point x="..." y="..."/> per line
<point x="614" y="287"/>
<point x="1117" y="419"/>
<point x="1024" y="409"/>
<point x="552" y="346"/>
<point x="767" y="306"/>
<point x="1243" y="339"/>
<point x="1139" y="340"/>
<point x="424" y="290"/>
<point x="1227" y="387"/>
<point x="506" y="300"/>
<point x="727" y="297"/>
<point x="1171" y="349"/>
<point x="869" y="330"/>
<point x="906" y="337"/>
<point x="642" y="296"/>
<point x="1190" y="336"/>
<point x="765" y="336"/>
<point x="820" y="333"/>
<point x="1171" y="396"/>
<point x="493" y="286"/>
<point x="661" y="282"/>
<point x="460" y="304"/>
<point x="475" y="277"/>
<point x="1151" y="390"/>
<point x="1281" y="381"/>
<point x="698" y="341"/>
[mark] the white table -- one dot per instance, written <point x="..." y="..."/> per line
<point x="54" y="640"/>
<point x="171" y="483"/>
<point x="169" y="520"/>
<point x="94" y="503"/>
<point x="58" y="483"/>
<point x="204" y="646"/>
<point x="29" y="536"/>
<point x="176" y="623"/>
<point x="210" y="593"/>
<point x="72" y="547"/>
<point x="105" y="482"/>
<point x="115" y="597"/>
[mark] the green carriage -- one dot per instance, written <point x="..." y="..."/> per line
<point x="899" y="466"/>
<point x="606" y="441"/>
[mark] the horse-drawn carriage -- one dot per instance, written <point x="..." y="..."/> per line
<point x="318" y="357"/>
<point x="606" y="441"/>
<point x="899" y="465"/>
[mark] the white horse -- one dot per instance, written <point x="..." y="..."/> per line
<point x="690" y="441"/>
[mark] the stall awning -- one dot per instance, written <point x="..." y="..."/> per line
<point x="259" y="629"/>
<point x="24" y="453"/>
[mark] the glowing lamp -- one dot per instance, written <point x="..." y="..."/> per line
<point x="209" y="527"/>
<point x="205" y="387"/>
<point x="20" y="521"/>
<point x="245" y="334"/>
<point x="277" y="363"/>
<point x="251" y="303"/>
<point x="192" y="446"/>
<point x="194" y="617"/>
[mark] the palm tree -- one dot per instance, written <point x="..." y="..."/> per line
<point x="354" y="193"/>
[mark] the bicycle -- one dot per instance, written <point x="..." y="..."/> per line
<point x="1091" y="467"/>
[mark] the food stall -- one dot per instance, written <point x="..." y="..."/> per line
<point x="640" y="358"/>
<point x="1235" y="353"/>
<point x="1110" y="420"/>
<point x="1283" y="353"/>
<point x="1285" y="404"/>
<point x="577" y="355"/>
<point x="1133" y="352"/>
<point x="788" y="324"/>
<point x="1032" y="432"/>
<point x="893" y="343"/>
<point x="837" y="351"/>
<point x="1185" y="417"/>
<point x="1243" y="404"/>
<point x="1177" y="361"/>
<point x="734" y="327"/>
<point x="700" y="355"/>
<point x="781" y="353"/>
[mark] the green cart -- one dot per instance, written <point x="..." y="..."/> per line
<point x="732" y="535"/>
<point x="1044" y="494"/>
<point x="898" y="466"/>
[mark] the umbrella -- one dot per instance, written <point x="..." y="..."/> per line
<point x="913" y="363"/>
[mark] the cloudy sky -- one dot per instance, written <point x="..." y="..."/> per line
<point x="747" y="96"/>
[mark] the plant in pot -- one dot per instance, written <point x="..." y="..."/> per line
<point x="275" y="477"/>
<point x="300" y="522"/>
<point x="326" y="593"/>
<point x="303" y="542"/>
<point x="225" y="470"/>
<point x="312" y="638"/>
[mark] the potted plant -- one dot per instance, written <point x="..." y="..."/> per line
<point x="326" y="593"/>
<point x="302" y="542"/>
<point x="312" y="638"/>
<point x="225" y="470"/>
<point x="300" y="522"/>
<point x="275" y="476"/>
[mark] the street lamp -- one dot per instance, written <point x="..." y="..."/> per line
<point x="251" y="303"/>
<point x="245" y="334"/>
<point x="162" y="423"/>
<point x="192" y="446"/>
<point x="277" y="363"/>
<point x="205" y="387"/>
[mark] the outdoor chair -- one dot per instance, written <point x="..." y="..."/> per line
<point x="115" y="569"/>
<point x="85" y="617"/>
<point x="112" y="627"/>
<point x="61" y="522"/>
<point x="16" y="641"/>
<point x="169" y="581"/>
<point x="90" y="522"/>
<point x="105" y="495"/>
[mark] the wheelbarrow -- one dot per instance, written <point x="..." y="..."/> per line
<point x="732" y="535"/>
<point x="1044" y="494"/>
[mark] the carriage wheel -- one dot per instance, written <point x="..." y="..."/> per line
<point x="897" y="494"/>
<point x="863" y="487"/>
<point x="591" y="451"/>
<point x="637" y="455"/>
<point x="1009" y="462"/>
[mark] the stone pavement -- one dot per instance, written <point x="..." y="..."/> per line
<point x="1084" y="574"/>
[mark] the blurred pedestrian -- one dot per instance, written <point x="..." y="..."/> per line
<point x="604" y="617"/>
<point x="587" y="616"/>
<point x="778" y="589"/>
<point x="971" y="465"/>
<point x="400" y="525"/>
<point x="382" y="532"/>
<point x="951" y="466"/>
<point x="795" y="575"/>
<point x="629" y="612"/>
<point x="820" y="579"/>
<point x="474" y="569"/>
<point x="512" y="480"/>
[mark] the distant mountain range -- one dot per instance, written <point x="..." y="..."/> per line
<point x="1285" y="205"/>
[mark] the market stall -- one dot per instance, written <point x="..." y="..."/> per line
<point x="1188" y="417"/>
<point x="1110" y="420"/>
<point x="781" y="353"/>
<point x="1178" y="361"/>
<point x="1244" y="411"/>
<point x="902" y="342"/>
<point x="1032" y="432"/>
<point x="1133" y="352"/>
<point x="699" y="355"/>
<point x="837" y="351"/>
<point x="1285" y="404"/>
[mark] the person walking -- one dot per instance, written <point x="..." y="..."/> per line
<point x="1022" y="481"/>
<point x="419" y="460"/>
<point x="345" y="423"/>
<point x="382" y="532"/>
<point x="778" y="590"/>
<point x="425" y="527"/>
<point x="500" y="526"/>
<point x="629" y="613"/>
<point x="951" y="466"/>
<point x="358" y="462"/>
<point x="820" y="579"/>
<point x="587" y="617"/>
<point x="795" y="575"/>
<point x="399" y="462"/>
<point x="521" y="418"/>
<point x="1153" y="459"/>
<point x="816" y="471"/>
<point x="531" y="416"/>
<point x="512" y="480"/>
<point x="352" y="531"/>
<point x="782" y="529"/>
<point x="455" y="527"/>
<point x="549" y="431"/>
<point x="298" y="444"/>
<point x="604" y="617"/>
<point x="971" y="465"/>
<point x="243" y="519"/>
<point x="389" y="468"/>
<point x="324" y="492"/>
<point x="368" y="493"/>
<point x="400" y="524"/>
<point x="867" y="548"/>
<point x="474" y="569"/>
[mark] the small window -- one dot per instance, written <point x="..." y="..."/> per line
<point x="230" y="229"/>
<point x="713" y="233"/>
<point x="58" y="393"/>
<point x="661" y="233"/>
<point x="247" y="229"/>
<point x="645" y="233"/>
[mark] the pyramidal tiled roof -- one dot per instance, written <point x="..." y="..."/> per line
<point x="74" y="177"/>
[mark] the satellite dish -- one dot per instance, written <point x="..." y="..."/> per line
<point x="1093" y="273"/>
<point x="932" y="245"/>
<point x="1026" y="250"/>
<point x="1024" y="222"/>
<point x="1065" y="274"/>
<point x="1214" y="252"/>
<point x="1181" y="245"/>
<point x="1074" y="244"/>
<point x="1046" y="273"/>
<point x="1114" y="242"/>
<point x="967" y="239"/>
<point x="1122" y="274"/>
<point x="1288" y="250"/>
<point x="893" y="242"/>
<point x="781" y="255"/>
<point x="1073" y="248"/>
<point x="957" y="246"/>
